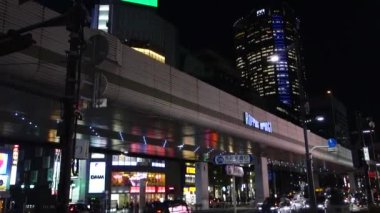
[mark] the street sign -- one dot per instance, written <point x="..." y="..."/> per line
<point x="233" y="159"/>
<point x="234" y="170"/>
<point x="82" y="149"/>
<point x="366" y="154"/>
<point x="331" y="145"/>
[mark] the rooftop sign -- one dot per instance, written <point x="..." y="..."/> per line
<point x="150" y="3"/>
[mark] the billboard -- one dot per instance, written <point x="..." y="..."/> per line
<point x="5" y="165"/>
<point x="96" y="183"/>
<point x="150" y="3"/>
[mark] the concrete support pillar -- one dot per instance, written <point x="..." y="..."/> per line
<point x="261" y="178"/>
<point x="83" y="174"/>
<point x="201" y="184"/>
<point x="142" y="195"/>
<point x="316" y="179"/>
<point x="352" y="181"/>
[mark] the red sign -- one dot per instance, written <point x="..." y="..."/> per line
<point x="148" y="189"/>
<point x="371" y="174"/>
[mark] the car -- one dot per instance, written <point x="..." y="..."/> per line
<point x="217" y="203"/>
<point x="168" y="206"/>
<point x="270" y="204"/>
<point x="79" y="208"/>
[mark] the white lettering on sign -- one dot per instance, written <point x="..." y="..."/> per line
<point x="234" y="170"/>
<point x="249" y="120"/>
<point x="97" y="177"/>
<point x="233" y="159"/>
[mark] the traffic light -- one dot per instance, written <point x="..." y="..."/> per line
<point x="13" y="42"/>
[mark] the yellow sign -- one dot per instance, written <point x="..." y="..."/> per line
<point x="189" y="189"/>
<point x="190" y="170"/>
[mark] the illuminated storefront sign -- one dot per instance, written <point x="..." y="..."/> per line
<point x="190" y="170"/>
<point x="249" y="120"/>
<point x="148" y="189"/>
<point x="97" y="177"/>
<point x="3" y="183"/>
<point x="189" y="189"/>
<point x="130" y="181"/>
<point x="14" y="165"/>
<point x="5" y="164"/>
<point x="150" y="3"/>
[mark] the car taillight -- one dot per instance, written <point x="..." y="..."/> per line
<point x="158" y="211"/>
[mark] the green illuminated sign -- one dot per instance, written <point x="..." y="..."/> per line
<point x="150" y="3"/>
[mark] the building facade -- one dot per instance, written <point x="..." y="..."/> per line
<point x="270" y="30"/>
<point x="138" y="26"/>
<point x="328" y="118"/>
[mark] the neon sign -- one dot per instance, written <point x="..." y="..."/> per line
<point x="150" y="3"/>
<point x="3" y="163"/>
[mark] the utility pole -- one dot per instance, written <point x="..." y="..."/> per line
<point x="359" y="123"/>
<point x="75" y="24"/>
<point x="304" y="110"/>
<point x="75" y="19"/>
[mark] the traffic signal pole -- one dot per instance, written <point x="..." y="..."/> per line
<point x="75" y="19"/>
<point x="75" y="26"/>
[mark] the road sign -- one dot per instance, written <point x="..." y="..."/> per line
<point x="366" y="154"/>
<point x="234" y="170"/>
<point x="233" y="159"/>
<point x="331" y="143"/>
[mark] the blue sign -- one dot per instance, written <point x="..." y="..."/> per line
<point x="331" y="143"/>
<point x="233" y="159"/>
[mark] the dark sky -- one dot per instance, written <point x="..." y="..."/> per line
<point x="340" y="40"/>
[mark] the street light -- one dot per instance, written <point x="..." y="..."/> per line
<point x="303" y="111"/>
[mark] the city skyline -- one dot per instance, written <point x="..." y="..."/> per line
<point x="338" y="39"/>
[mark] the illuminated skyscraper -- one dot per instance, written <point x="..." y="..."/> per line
<point x="270" y="30"/>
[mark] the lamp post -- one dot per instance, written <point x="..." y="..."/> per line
<point x="366" y="165"/>
<point x="303" y="111"/>
<point x="309" y="169"/>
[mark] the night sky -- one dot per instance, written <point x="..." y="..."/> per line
<point x="340" y="41"/>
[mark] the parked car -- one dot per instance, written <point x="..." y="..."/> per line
<point x="168" y="206"/>
<point x="79" y="208"/>
<point x="217" y="203"/>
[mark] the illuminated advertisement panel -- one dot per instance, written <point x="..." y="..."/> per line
<point x="3" y="183"/>
<point x="5" y="165"/>
<point x="150" y="3"/>
<point x="97" y="177"/>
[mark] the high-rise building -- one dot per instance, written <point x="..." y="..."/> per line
<point x="270" y="30"/>
<point x="137" y="24"/>
<point x="329" y="119"/>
